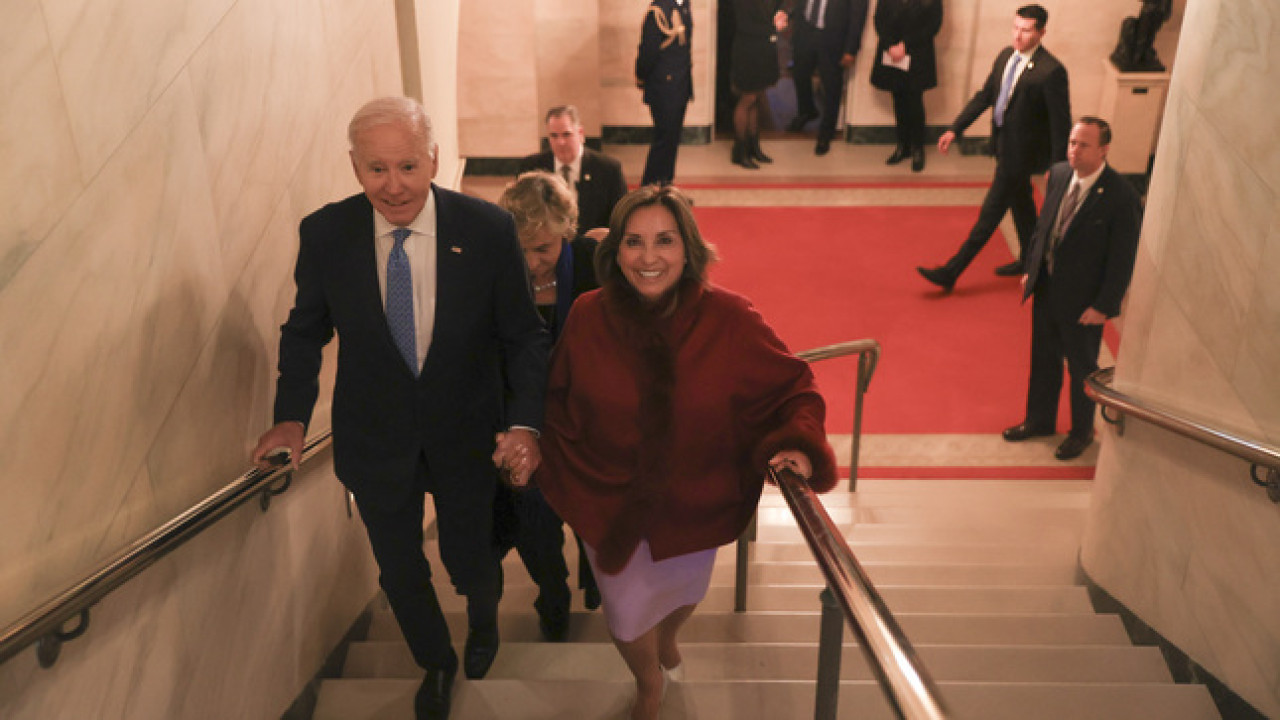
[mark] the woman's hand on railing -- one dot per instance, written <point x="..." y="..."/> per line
<point x="282" y="436"/>
<point x="793" y="460"/>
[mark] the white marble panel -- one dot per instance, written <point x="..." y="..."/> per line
<point x="255" y="82"/>
<point x="41" y="175"/>
<point x="1245" y="49"/>
<point x="111" y="312"/>
<point x="1135" y="326"/>
<point x="1195" y="48"/>
<point x="1215" y="242"/>
<point x="116" y="57"/>
<point x="568" y="62"/>
<point x="1166" y="176"/>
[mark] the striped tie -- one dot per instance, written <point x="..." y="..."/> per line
<point x="400" y="301"/>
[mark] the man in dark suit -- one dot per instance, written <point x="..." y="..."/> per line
<point x="441" y="352"/>
<point x="594" y="177"/>
<point x="826" y="36"/>
<point x="1031" y="117"/>
<point x="1078" y="268"/>
<point x="664" y="72"/>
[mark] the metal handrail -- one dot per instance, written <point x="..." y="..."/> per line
<point x="1258" y="453"/>
<point x="868" y="351"/>
<point x="44" y="624"/>
<point x="908" y="687"/>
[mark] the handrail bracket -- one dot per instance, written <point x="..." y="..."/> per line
<point x="1271" y="482"/>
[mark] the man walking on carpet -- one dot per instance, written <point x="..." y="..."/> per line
<point x="1031" y="116"/>
<point x="1078" y="268"/>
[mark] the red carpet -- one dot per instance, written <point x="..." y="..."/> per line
<point x="821" y="275"/>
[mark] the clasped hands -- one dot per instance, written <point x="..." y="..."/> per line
<point x="517" y="454"/>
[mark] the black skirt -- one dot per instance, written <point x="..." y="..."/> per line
<point x="753" y="63"/>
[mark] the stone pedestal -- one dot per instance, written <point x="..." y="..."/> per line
<point x="1133" y="102"/>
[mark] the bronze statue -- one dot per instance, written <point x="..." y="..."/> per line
<point x="1134" y="52"/>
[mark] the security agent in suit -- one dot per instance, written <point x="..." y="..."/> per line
<point x="826" y="36"/>
<point x="1078" y="268"/>
<point x="1031" y="117"/>
<point x="427" y="399"/>
<point x="664" y="71"/>
<point x="596" y="178"/>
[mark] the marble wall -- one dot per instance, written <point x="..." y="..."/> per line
<point x="158" y="157"/>
<point x="1178" y="532"/>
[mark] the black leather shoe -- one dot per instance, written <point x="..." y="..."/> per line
<point x="799" y="121"/>
<point x="900" y="153"/>
<point x="1023" y="431"/>
<point x="917" y="159"/>
<point x="823" y="146"/>
<point x="938" y="276"/>
<point x="554" y="625"/>
<point x="1012" y="269"/>
<point x="1073" y="447"/>
<point x="435" y="694"/>
<point x="479" y="652"/>
<point x="591" y="598"/>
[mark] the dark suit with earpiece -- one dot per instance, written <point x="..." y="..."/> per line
<point x="1091" y="266"/>
<point x="1037" y="121"/>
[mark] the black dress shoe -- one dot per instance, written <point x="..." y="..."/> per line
<point x="823" y="146"/>
<point x="591" y="598"/>
<point x="917" y="159"/>
<point x="799" y="121"/>
<point x="1072" y="447"/>
<point x="900" y="153"/>
<point x="554" y="625"/>
<point x="1012" y="269"/>
<point x="1023" y="431"/>
<point x="938" y="276"/>
<point x="479" y="652"/>
<point x="435" y="694"/>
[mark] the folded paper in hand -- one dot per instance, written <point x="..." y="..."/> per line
<point x="904" y="64"/>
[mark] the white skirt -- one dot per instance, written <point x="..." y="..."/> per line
<point x="645" y="592"/>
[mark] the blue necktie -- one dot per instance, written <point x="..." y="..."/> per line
<point x="1002" y="101"/>
<point x="400" y="301"/>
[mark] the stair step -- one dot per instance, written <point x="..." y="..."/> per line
<point x="1014" y="599"/>
<point x="521" y="625"/>
<point x="1039" y="533"/>
<point x="790" y="661"/>
<point x="499" y="699"/>
<point x="931" y="516"/>
<point x="961" y="497"/>
<point x="895" y="573"/>
<point x="1059" y="553"/>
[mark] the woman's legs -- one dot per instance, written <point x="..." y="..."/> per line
<point x="744" y="120"/>
<point x="647" y="655"/>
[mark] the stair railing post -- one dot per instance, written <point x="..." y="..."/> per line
<point x="740" y="572"/>
<point x="865" y="368"/>
<point x="830" y="647"/>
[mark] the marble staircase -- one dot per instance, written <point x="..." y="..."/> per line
<point x="981" y="575"/>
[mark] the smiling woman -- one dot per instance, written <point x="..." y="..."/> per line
<point x="668" y="400"/>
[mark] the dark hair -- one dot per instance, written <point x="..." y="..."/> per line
<point x="1104" y="128"/>
<point x="697" y="252"/>
<point x="1035" y="12"/>
<point x="568" y="110"/>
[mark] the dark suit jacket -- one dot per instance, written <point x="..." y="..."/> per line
<point x="841" y="33"/>
<point x="914" y="23"/>
<point x="600" y="185"/>
<point x="665" y="71"/>
<point x="485" y="321"/>
<point x="1037" y="120"/>
<point x="1094" y="259"/>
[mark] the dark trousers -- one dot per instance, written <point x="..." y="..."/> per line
<point x="525" y="521"/>
<point x="464" y="518"/>
<point x="807" y="56"/>
<point x="667" y="109"/>
<point x="908" y="115"/>
<point x="1008" y="191"/>
<point x="1052" y="342"/>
